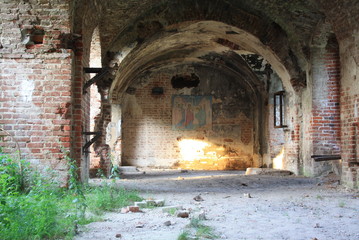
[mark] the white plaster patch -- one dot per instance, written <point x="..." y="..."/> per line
<point x="27" y="89"/>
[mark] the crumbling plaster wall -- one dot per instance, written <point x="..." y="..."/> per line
<point x="148" y="138"/>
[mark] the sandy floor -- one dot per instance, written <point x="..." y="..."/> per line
<point x="280" y="207"/>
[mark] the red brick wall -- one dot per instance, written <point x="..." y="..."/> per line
<point x="344" y="18"/>
<point x="35" y="80"/>
<point x="326" y="103"/>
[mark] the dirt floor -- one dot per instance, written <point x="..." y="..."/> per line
<point x="236" y="206"/>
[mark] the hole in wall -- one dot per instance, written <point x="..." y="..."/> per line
<point x="32" y="36"/>
<point x="182" y="81"/>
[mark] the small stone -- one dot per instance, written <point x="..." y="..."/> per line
<point x="140" y="225"/>
<point x="118" y="235"/>
<point x="151" y="203"/>
<point x="184" y="171"/>
<point x="247" y="195"/>
<point x="200" y="215"/>
<point x="141" y="204"/>
<point x="198" y="198"/>
<point x="317" y="225"/>
<point x="183" y="214"/>
<point x="134" y="209"/>
<point x="171" y="209"/>
<point x="160" y="203"/>
<point x="124" y="210"/>
<point x="167" y="223"/>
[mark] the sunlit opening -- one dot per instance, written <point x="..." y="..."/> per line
<point x="192" y="149"/>
<point x="278" y="160"/>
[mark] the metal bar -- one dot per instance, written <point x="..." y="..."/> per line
<point x="92" y="70"/>
<point x="99" y="76"/>
<point x="89" y="143"/>
<point x="316" y="156"/>
<point x="320" y="159"/>
<point x="91" y="133"/>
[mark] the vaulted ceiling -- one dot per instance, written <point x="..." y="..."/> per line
<point x="150" y="35"/>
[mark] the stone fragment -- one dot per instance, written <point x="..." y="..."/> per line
<point x="124" y="210"/>
<point x="199" y="215"/>
<point x="198" y="198"/>
<point x="142" y="204"/>
<point x="160" y="202"/>
<point x="140" y="225"/>
<point x="171" y="209"/>
<point x="317" y="225"/>
<point x="167" y="223"/>
<point x="183" y="214"/>
<point x="247" y="195"/>
<point x="151" y="203"/>
<point x="134" y="209"/>
<point x="118" y="235"/>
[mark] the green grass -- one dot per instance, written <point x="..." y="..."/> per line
<point x="319" y="197"/>
<point x="341" y="204"/>
<point x="197" y="230"/>
<point x="184" y="236"/>
<point x="109" y="197"/>
<point x="34" y="207"/>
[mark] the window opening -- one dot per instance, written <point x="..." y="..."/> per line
<point x="279" y="110"/>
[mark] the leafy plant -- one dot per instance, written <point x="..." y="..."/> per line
<point x="115" y="172"/>
<point x="13" y="175"/>
<point x="33" y="206"/>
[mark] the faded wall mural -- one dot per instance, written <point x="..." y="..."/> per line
<point x="191" y="112"/>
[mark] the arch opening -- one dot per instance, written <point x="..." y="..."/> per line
<point x="239" y="74"/>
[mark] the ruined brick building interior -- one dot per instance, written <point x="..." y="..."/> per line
<point x="190" y="84"/>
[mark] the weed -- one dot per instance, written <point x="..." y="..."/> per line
<point x="205" y="232"/>
<point x="201" y="231"/>
<point x="172" y="211"/>
<point x="195" y="223"/>
<point x="341" y="204"/>
<point x="319" y="197"/>
<point x="184" y="236"/>
<point x="32" y="206"/>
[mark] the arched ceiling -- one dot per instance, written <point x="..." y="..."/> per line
<point x="195" y="43"/>
<point x="170" y="33"/>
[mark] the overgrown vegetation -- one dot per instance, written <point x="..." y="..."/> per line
<point x="196" y="230"/>
<point x="35" y="207"/>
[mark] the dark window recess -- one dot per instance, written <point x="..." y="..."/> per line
<point x="131" y="90"/>
<point x="182" y="81"/>
<point x="37" y="36"/>
<point x="279" y="110"/>
<point x="33" y="36"/>
<point x="157" y="91"/>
